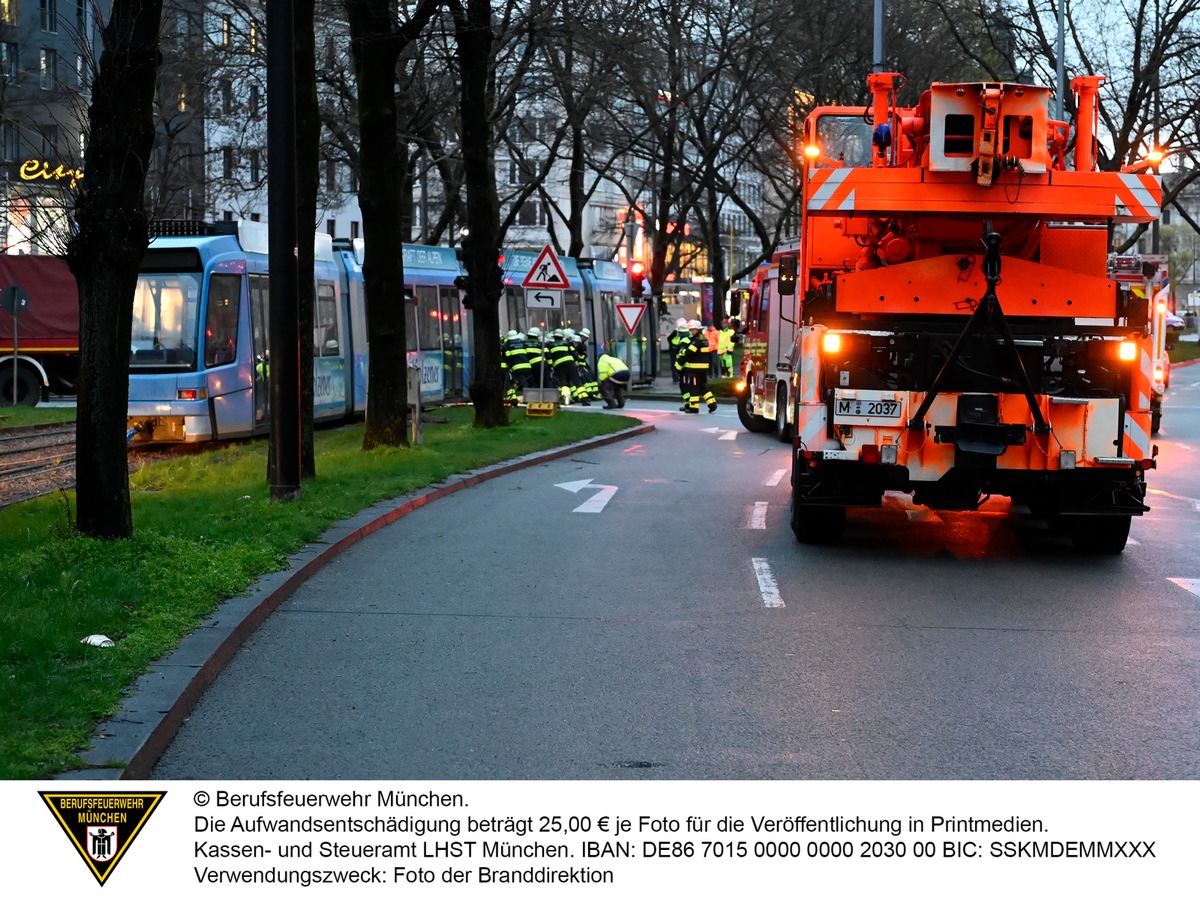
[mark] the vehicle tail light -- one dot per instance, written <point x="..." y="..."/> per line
<point x="870" y="454"/>
<point x="193" y="394"/>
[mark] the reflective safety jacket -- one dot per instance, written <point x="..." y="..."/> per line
<point x="611" y="367"/>
<point x="694" y="353"/>
<point x="514" y="357"/>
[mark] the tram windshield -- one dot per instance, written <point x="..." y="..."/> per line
<point x="165" y="321"/>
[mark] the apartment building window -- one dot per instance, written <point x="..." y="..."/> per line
<point x="254" y="101"/>
<point x="80" y="14"/>
<point x="226" y="162"/>
<point x="8" y="11"/>
<point x="331" y="178"/>
<point x="183" y="99"/>
<point x="227" y="97"/>
<point x="255" y="165"/>
<point x="353" y="231"/>
<point x="49" y="68"/>
<point x="8" y="62"/>
<point x="10" y="142"/>
<point x="50" y="141"/>
<point x="49" y="10"/>
<point x="331" y="227"/>
<point x="226" y="31"/>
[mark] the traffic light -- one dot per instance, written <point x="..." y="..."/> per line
<point x="637" y="271"/>
<point x="463" y="283"/>
<point x="787" y="276"/>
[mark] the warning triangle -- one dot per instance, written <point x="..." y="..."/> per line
<point x="546" y="271"/>
<point x="101" y="825"/>
<point x="631" y="314"/>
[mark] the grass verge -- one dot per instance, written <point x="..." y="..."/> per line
<point x="205" y="528"/>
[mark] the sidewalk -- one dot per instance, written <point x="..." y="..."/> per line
<point x="128" y="745"/>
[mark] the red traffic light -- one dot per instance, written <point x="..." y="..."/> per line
<point x="637" y="269"/>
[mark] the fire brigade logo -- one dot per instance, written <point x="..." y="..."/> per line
<point x="102" y="826"/>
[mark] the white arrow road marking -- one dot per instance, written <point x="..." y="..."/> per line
<point x="775" y="478"/>
<point x="724" y="434"/>
<point x="758" y="516"/>
<point x="1188" y="584"/>
<point x="597" y="502"/>
<point x="766" y="584"/>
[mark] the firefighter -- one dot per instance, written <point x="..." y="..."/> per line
<point x="590" y="389"/>
<point x="693" y="362"/>
<point x="540" y="374"/>
<point x="725" y="348"/>
<point x="515" y="363"/>
<point x="561" y="356"/>
<point x="673" y="341"/>
<point x="714" y="350"/>
<point x="614" y="379"/>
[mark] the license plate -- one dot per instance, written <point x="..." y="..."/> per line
<point x="867" y="408"/>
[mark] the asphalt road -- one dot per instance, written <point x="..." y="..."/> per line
<point x="511" y="631"/>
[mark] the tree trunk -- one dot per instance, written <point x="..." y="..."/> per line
<point x="481" y="247"/>
<point x="308" y="140"/>
<point x="376" y="51"/>
<point x="105" y="253"/>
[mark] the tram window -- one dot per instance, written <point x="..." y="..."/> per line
<point x="164" y="320"/>
<point x="325" y="329"/>
<point x="429" y="330"/>
<point x="221" y="323"/>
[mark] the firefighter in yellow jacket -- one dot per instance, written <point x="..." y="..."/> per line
<point x="693" y="362"/>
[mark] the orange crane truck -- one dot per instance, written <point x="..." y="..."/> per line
<point x="957" y="332"/>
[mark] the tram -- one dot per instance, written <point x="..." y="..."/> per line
<point x="199" y="364"/>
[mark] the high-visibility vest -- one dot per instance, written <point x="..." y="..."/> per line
<point x="607" y="366"/>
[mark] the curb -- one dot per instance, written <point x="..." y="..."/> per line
<point x="129" y="744"/>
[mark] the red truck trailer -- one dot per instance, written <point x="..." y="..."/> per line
<point x="44" y="337"/>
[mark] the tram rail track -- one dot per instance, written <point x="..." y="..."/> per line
<point x="36" y="461"/>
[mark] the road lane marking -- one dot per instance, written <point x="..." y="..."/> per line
<point x="776" y="477"/>
<point x="1188" y="584"/>
<point x="595" y="503"/>
<point x="758" y="516"/>
<point x="766" y="584"/>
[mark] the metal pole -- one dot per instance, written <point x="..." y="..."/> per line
<point x="1060" y="66"/>
<point x="877" y="55"/>
<point x="284" y="332"/>
<point x="630" y="233"/>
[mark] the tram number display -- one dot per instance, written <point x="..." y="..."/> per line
<point x="867" y="408"/>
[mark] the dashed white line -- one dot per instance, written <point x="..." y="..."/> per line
<point x="758" y="516"/>
<point x="766" y="584"/>
<point x="776" y="477"/>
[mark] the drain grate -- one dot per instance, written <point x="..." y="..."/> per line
<point x="638" y="764"/>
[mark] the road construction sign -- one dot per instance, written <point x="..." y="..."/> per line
<point x="546" y="272"/>
<point x="631" y="314"/>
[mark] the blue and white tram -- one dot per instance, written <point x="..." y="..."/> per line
<point x="438" y="341"/>
<point x="198" y="362"/>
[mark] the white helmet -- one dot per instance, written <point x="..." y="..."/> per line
<point x="682" y="322"/>
<point x="568" y="333"/>
<point x="585" y="333"/>
<point x="513" y="335"/>
<point x="534" y="331"/>
<point x="694" y="324"/>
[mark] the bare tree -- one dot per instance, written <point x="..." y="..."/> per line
<point x="377" y="39"/>
<point x="105" y="254"/>
<point x="481" y="248"/>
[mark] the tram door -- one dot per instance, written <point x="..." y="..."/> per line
<point x="260" y="328"/>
